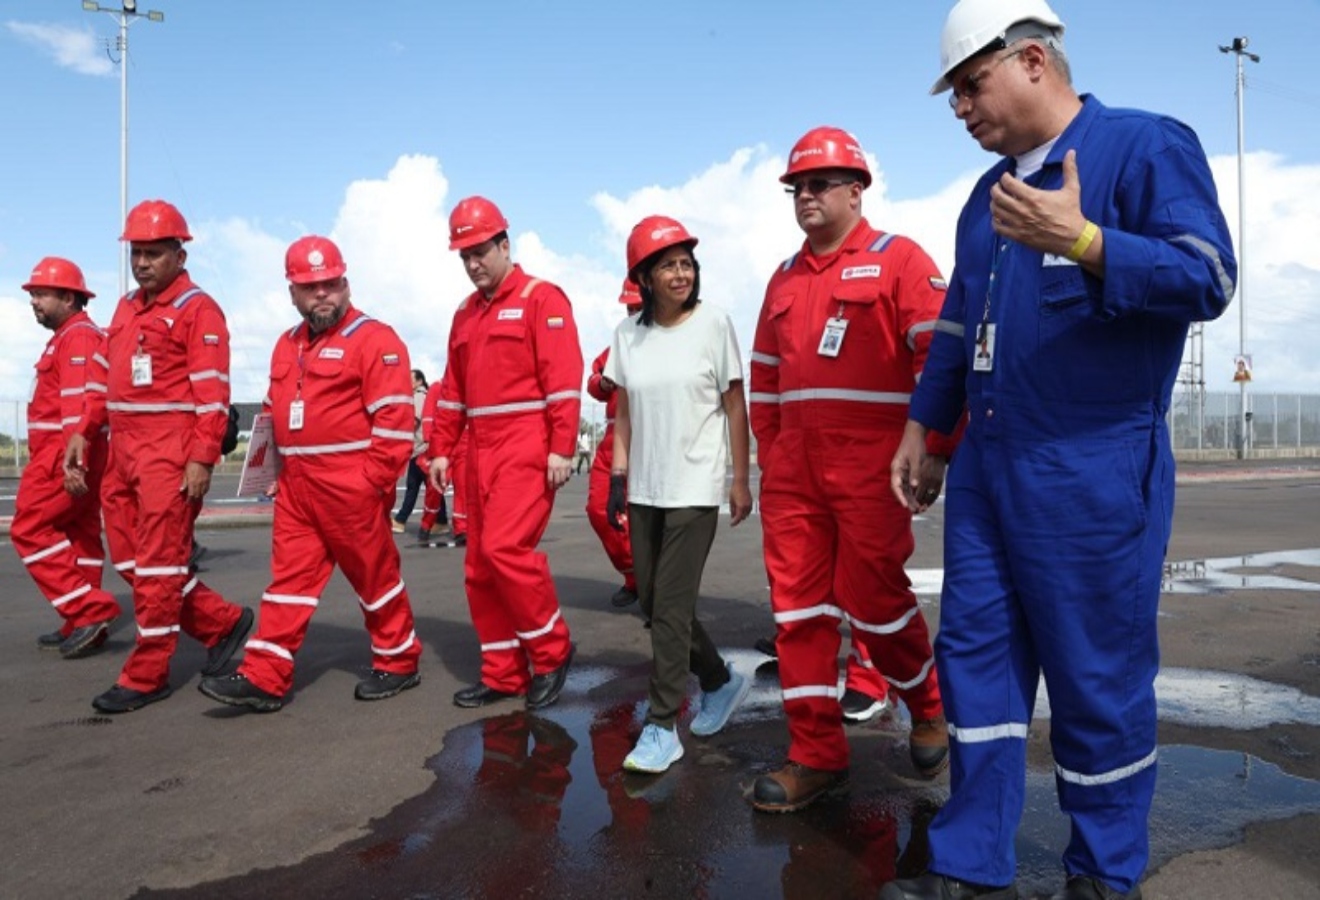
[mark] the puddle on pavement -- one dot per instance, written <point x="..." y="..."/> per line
<point x="1217" y="576"/>
<point x="536" y="805"/>
<point x="1199" y="576"/>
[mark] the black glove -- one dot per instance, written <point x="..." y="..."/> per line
<point x="616" y="510"/>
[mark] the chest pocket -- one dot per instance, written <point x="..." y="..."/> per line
<point x="157" y="337"/>
<point x="856" y="302"/>
<point x="325" y="368"/>
<point x="1061" y="288"/>
<point x="43" y="367"/>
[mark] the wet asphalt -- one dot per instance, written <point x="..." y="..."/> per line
<point x="414" y="798"/>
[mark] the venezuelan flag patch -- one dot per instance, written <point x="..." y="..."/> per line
<point x="390" y="359"/>
<point x="554" y="322"/>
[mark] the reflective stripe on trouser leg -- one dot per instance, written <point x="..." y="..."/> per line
<point x="1090" y="584"/>
<point x="148" y="506"/>
<point x="801" y="574"/>
<point x="510" y="592"/>
<point x="861" y="673"/>
<point x="49" y="532"/>
<point x="301" y="567"/>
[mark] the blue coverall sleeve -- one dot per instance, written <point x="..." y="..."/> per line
<point x="1170" y="254"/>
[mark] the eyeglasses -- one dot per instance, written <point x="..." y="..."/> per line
<point x="971" y="85"/>
<point x="816" y="186"/>
<point x="683" y="266"/>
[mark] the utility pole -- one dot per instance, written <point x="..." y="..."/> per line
<point x="1239" y="49"/>
<point x="127" y="14"/>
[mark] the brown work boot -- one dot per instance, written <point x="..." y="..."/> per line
<point x="795" y="786"/>
<point x="928" y="745"/>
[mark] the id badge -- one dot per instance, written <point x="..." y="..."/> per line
<point x="141" y="370"/>
<point x="831" y="342"/>
<point x="296" y="415"/>
<point x="983" y="360"/>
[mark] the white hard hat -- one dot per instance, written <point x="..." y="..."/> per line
<point x="974" y="25"/>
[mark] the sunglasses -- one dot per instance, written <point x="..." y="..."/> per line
<point x="816" y="186"/>
<point x="971" y="85"/>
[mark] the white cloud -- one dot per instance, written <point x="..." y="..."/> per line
<point x="1282" y="284"/>
<point x="394" y="234"/>
<point x="73" y="48"/>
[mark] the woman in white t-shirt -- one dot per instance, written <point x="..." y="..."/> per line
<point x="680" y="383"/>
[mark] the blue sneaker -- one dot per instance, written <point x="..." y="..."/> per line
<point x="657" y="749"/>
<point x="718" y="705"/>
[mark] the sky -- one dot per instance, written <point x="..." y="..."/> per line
<point x="263" y="122"/>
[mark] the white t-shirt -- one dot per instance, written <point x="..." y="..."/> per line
<point x="675" y="379"/>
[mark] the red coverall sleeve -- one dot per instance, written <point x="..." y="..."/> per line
<point x="593" y="380"/>
<point x="387" y="396"/>
<point x="920" y="289"/>
<point x="83" y="385"/>
<point x="764" y="388"/>
<point x="558" y="367"/>
<point x="451" y="407"/>
<point x="208" y="375"/>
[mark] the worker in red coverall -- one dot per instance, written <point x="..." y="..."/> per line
<point x="616" y="541"/>
<point x="167" y="401"/>
<point x="341" y="404"/>
<point x="516" y="370"/>
<point x="57" y="522"/>
<point x="434" y="501"/>
<point x="839" y="346"/>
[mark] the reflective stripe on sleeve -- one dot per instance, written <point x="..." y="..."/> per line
<point x="390" y="400"/>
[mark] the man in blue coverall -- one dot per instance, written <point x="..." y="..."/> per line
<point x="1081" y="258"/>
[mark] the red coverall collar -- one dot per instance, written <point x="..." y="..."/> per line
<point x="858" y="239"/>
<point x="79" y="316"/>
<point x="511" y="283"/>
<point x="351" y="315"/>
<point x="176" y="287"/>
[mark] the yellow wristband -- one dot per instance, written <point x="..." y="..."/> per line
<point x="1083" y="242"/>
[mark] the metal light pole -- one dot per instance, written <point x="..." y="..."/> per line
<point x="127" y="14"/>
<point x="1239" y="49"/>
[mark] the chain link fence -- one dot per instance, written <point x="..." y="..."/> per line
<point x="1276" y="424"/>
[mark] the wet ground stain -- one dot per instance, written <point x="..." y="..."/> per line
<point x="536" y="805"/>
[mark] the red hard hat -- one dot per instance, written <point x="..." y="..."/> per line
<point x="653" y="234"/>
<point x="630" y="294"/>
<point x="313" y="258"/>
<point x="474" y="221"/>
<point x="827" y="148"/>
<point x="60" y="274"/>
<point x="155" y="220"/>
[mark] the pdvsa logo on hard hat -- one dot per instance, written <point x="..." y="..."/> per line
<point x="316" y="259"/>
<point x="810" y="151"/>
<point x="660" y="233"/>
